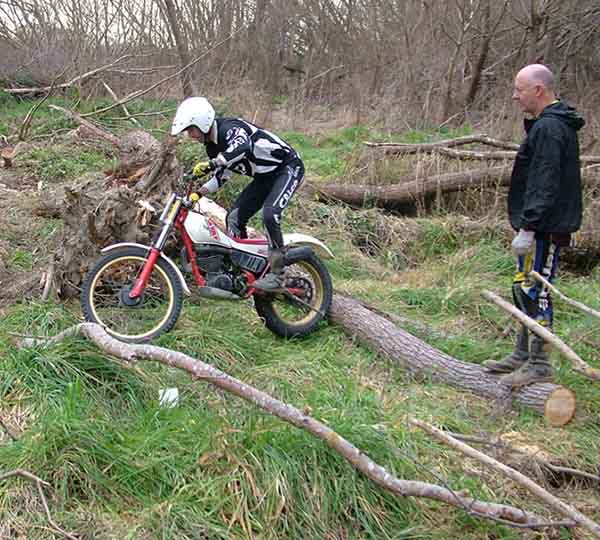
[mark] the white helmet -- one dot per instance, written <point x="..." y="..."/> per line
<point x="193" y="111"/>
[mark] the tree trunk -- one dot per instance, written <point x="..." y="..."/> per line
<point x="408" y="190"/>
<point x="187" y="83"/>
<point x="421" y="360"/>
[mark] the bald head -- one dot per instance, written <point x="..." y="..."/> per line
<point x="534" y="88"/>
<point x="538" y="74"/>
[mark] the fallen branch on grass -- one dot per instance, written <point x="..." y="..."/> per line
<point x="199" y="370"/>
<point x="445" y="148"/>
<point x="498" y="444"/>
<point x="524" y="481"/>
<point x="566" y="299"/>
<point x="39" y="483"/>
<point x="410" y="148"/>
<point x="578" y="364"/>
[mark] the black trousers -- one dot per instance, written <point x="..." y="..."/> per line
<point x="270" y="192"/>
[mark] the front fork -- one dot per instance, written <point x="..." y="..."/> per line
<point x="168" y="217"/>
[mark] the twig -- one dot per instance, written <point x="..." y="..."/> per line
<point x="39" y="483"/>
<point x="359" y="460"/>
<point x="114" y="96"/>
<point x="573" y="303"/>
<point x="49" y="279"/>
<point x="578" y="364"/>
<point x="562" y="507"/>
<point x="7" y="430"/>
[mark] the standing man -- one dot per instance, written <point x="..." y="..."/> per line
<point x="544" y="208"/>
<point x="235" y="145"/>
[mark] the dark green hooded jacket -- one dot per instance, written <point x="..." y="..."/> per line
<point x="545" y="187"/>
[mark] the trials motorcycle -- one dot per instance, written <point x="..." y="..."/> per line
<point x="136" y="291"/>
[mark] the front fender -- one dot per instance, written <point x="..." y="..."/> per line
<point x="169" y="261"/>
<point x="299" y="239"/>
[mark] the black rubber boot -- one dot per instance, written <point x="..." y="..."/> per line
<point x="515" y="359"/>
<point x="273" y="280"/>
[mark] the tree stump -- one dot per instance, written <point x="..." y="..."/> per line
<point x="104" y="209"/>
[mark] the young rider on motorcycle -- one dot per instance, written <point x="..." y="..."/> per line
<point x="235" y="145"/>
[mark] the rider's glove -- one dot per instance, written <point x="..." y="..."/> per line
<point x="523" y="242"/>
<point x="203" y="168"/>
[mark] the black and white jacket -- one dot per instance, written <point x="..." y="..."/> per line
<point x="246" y="149"/>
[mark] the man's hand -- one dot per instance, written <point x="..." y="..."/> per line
<point x="523" y="242"/>
<point x="203" y="168"/>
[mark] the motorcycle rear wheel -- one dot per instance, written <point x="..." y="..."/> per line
<point x="105" y="299"/>
<point x="298" y="314"/>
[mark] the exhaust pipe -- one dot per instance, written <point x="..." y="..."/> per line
<point x="216" y="294"/>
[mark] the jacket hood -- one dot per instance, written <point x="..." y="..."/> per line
<point x="565" y="113"/>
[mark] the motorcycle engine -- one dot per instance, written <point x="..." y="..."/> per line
<point x="218" y="272"/>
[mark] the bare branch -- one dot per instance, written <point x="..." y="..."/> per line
<point x="39" y="483"/>
<point x="357" y="459"/>
<point x="562" y="507"/>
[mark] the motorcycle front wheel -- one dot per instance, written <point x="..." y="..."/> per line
<point x="305" y="302"/>
<point x="105" y="296"/>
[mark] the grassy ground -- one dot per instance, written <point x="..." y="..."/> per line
<point x="121" y="466"/>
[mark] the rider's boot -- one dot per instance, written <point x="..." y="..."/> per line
<point x="273" y="280"/>
<point x="515" y="360"/>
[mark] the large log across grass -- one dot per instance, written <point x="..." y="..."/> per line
<point x="409" y="190"/>
<point x="421" y="360"/>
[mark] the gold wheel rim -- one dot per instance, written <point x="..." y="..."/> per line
<point x="171" y="295"/>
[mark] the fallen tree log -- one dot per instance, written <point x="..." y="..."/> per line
<point x="409" y="190"/>
<point x="446" y="148"/>
<point x="498" y="155"/>
<point x="421" y="360"/>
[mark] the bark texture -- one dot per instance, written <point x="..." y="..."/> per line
<point x="423" y="361"/>
<point x="409" y="190"/>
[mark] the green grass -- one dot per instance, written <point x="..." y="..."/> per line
<point x="59" y="164"/>
<point x="122" y="466"/>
